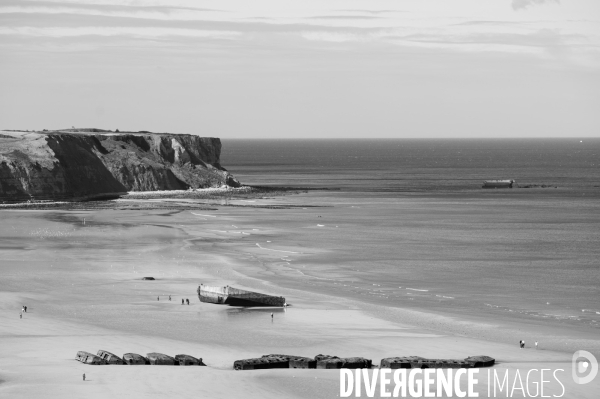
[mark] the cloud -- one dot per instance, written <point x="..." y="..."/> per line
<point x="344" y="17"/>
<point x="141" y="32"/>
<point x="158" y="13"/>
<point x="545" y="43"/>
<point x="520" y="4"/>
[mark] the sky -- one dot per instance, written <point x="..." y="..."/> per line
<point x="303" y="68"/>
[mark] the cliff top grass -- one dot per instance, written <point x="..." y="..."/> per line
<point x="88" y="131"/>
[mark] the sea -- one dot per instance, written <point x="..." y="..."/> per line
<point x="414" y="165"/>
<point x="427" y="236"/>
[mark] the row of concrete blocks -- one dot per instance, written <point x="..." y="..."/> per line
<point x="334" y="362"/>
<point x="104" y="357"/>
<point x="300" y="362"/>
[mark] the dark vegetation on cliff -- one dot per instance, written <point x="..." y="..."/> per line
<point x="91" y="163"/>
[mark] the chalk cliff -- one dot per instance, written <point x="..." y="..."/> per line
<point x="90" y="163"/>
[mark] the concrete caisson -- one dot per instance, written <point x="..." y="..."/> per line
<point x="89" y="358"/>
<point x="160" y="359"/>
<point x="110" y="358"/>
<point x="187" y="360"/>
<point x="133" y="359"/>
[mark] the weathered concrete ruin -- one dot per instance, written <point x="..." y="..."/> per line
<point x="260" y="363"/>
<point x="416" y="362"/>
<point x="278" y="361"/>
<point x="303" y="363"/>
<point x="481" y="361"/>
<point x="106" y="357"/>
<point x="334" y="362"/>
<point x="110" y="358"/>
<point x="160" y="359"/>
<point x="300" y="362"/>
<point x="235" y="297"/>
<point x="187" y="360"/>
<point x="134" y="359"/>
<point x="89" y="358"/>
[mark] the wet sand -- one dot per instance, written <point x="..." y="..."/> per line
<point x="82" y="284"/>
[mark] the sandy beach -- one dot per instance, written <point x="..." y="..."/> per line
<point x="82" y="285"/>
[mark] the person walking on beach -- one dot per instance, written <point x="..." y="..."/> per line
<point x="271" y="315"/>
<point x="536" y="345"/>
<point x="169" y="297"/>
<point x="21" y="315"/>
<point x="84" y="376"/>
<point x="158" y="298"/>
<point x="25" y="308"/>
<point x="182" y="301"/>
<point x="188" y="301"/>
<point x="520" y="344"/>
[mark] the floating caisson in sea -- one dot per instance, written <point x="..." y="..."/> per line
<point x="498" y="183"/>
<point x="235" y="297"/>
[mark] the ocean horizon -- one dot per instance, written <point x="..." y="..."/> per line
<point x="414" y="165"/>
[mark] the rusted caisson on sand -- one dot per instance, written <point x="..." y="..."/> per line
<point x="235" y="297"/>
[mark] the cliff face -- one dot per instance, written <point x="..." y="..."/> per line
<point x="66" y="165"/>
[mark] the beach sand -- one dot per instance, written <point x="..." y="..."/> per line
<point x="82" y="285"/>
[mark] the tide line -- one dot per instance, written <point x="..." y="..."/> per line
<point x="197" y="214"/>
<point x="277" y="250"/>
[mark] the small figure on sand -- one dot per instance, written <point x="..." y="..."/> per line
<point x="84" y="376"/>
<point x="188" y="301"/>
<point x="169" y="297"/>
<point x="271" y="315"/>
<point x="536" y="345"/>
<point x="21" y="315"/>
<point x="158" y="298"/>
<point x="25" y="308"/>
<point x="520" y="344"/>
<point x="182" y="301"/>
